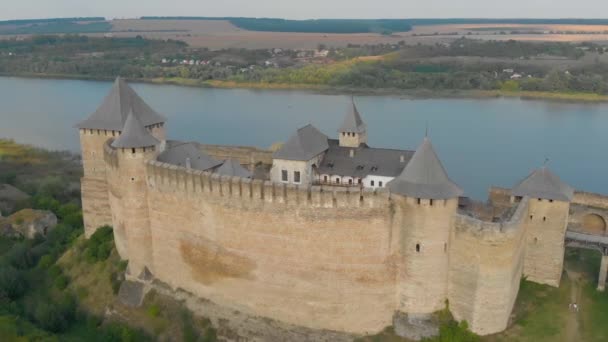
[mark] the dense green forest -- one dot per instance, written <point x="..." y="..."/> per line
<point x="55" y="26"/>
<point x="396" y="25"/>
<point x="312" y="25"/>
<point x="36" y="302"/>
<point x="49" y="20"/>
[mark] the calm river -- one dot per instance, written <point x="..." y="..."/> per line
<point x="481" y="142"/>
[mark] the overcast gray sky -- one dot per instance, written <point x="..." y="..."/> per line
<point x="304" y="9"/>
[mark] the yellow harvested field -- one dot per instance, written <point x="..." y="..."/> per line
<point x="465" y="28"/>
<point x="191" y="26"/>
<point x="221" y="34"/>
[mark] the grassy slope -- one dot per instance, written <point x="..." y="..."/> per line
<point x="541" y="312"/>
<point x="159" y="316"/>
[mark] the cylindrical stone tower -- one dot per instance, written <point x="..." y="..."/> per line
<point x="425" y="201"/>
<point x="107" y="123"/>
<point x="135" y="147"/>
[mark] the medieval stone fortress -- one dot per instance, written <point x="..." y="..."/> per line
<point x="324" y="233"/>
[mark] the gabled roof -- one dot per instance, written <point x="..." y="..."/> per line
<point x="233" y="168"/>
<point x="113" y="111"/>
<point x="352" y="121"/>
<point x="134" y="135"/>
<point x="425" y="177"/>
<point x="305" y="144"/>
<point x="364" y="161"/>
<point x="178" y="154"/>
<point x="542" y="183"/>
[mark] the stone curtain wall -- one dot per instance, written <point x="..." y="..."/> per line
<point x="590" y="199"/>
<point x="318" y="257"/>
<point x="486" y="264"/>
<point x="326" y="257"/>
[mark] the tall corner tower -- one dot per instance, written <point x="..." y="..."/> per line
<point x="545" y="224"/>
<point x="134" y="148"/>
<point x="353" y="131"/>
<point x="425" y="201"/>
<point x="106" y="123"/>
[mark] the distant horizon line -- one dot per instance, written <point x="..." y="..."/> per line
<point x="285" y="18"/>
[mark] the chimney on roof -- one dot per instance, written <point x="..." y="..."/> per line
<point x="352" y="153"/>
<point x="188" y="164"/>
<point x="402" y="159"/>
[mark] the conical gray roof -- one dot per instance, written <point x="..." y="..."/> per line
<point x="112" y="113"/>
<point x="542" y="183"/>
<point x="134" y="135"/>
<point x="234" y="169"/>
<point x="425" y="177"/>
<point x="352" y="121"/>
<point x="305" y="144"/>
<point x="181" y="153"/>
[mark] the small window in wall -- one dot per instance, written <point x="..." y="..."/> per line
<point x="380" y="184"/>
<point x="284" y="176"/>
<point x="418" y="200"/>
<point x="431" y="202"/>
<point x="418" y="247"/>
<point x="540" y="199"/>
<point x="296" y="176"/>
<point x="372" y="183"/>
<point x="132" y="150"/>
<point x="325" y="179"/>
<point x="359" y="181"/>
<point x="544" y="218"/>
<point x="337" y="180"/>
<point x="350" y="181"/>
<point x="550" y="201"/>
<point x="531" y="217"/>
<point x="445" y="247"/>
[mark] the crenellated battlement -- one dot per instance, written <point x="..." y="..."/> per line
<point x="169" y="178"/>
<point x="590" y="199"/>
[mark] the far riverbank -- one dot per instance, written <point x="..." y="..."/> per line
<point x="322" y="89"/>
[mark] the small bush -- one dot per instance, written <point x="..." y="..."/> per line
<point x="54" y="272"/>
<point x="122" y="265"/>
<point x="100" y="245"/>
<point x="8" y="178"/>
<point x="61" y="282"/>
<point x="115" y="281"/>
<point x="210" y="335"/>
<point x="45" y="262"/>
<point x="82" y="292"/>
<point x="153" y="310"/>
<point x="12" y="282"/>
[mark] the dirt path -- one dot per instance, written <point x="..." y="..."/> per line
<point x="572" y="331"/>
